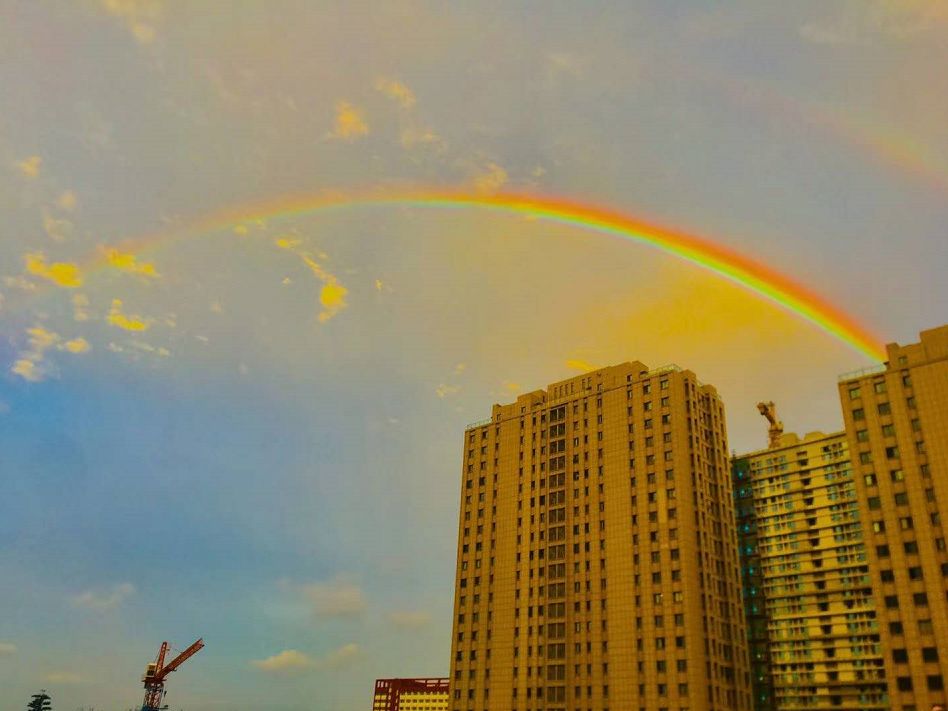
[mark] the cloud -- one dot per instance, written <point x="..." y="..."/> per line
<point x="292" y="661"/>
<point x="128" y="323"/>
<point x="29" y="167"/>
<point x="62" y="677"/>
<point x="491" y="180"/>
<point x="29" y="365"/>
<point x="396" y="91"/>
<point x="64" y="274"/>
<point x="77" y="345"/>
<point x="863" y="23"/>
<point x="444" y="390"/>
<point x="56" y="229"/>
<point x="460" y="368"/>
<point x="332" y="296"/>
<point x="27" y="369"/>
<point x="289" y="661"/>
<point x="104" y="600"/>
<point x="127" y="262"/>
<point x="409" y="620"/>
<point x="350" y="124"/>
<point x="80" y="305"/>
<point x="337" y="598"/>
<point x="67" y="201"/>
<point x="7" y="649"/>
<point x="139" y="16"/>
<point x="581" y="365"/>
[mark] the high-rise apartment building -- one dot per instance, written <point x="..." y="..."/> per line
<point x="410" y="695"/>
<point x="597" y="554"/>
<point x="897" y="425"/>
<point x="813" y="633"/>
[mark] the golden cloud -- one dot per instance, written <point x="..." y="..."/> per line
<point x="491" y="180"/>
<point x="289" y="661"/>
<point x="56" y="229"/>
<point x="64" y="274"/>
<point x="128" y="262"/>
<point x="67" y="201"/>
<point x="396" y="91"/>
<point x="27" y="369"/>
<point x="350" y="124"/>
<point x="120" y="320"/>
<point x="77" y="345"/>
<point x="139" y="16"/>
<point x="30" y="167"/>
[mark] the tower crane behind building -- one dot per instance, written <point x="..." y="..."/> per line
<point x="157" y="671"/>
<point x="769" y="410"/>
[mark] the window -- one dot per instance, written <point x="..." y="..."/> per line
<point x="859" y="414"/>
<point x="920" y="599"/>
<point x="892" y="452"/>
<point x="904" y="683"/>
<point x="892" y="601"/>
<point x="901" y="499"/>
<point x="884" y="408"/>
<point x="887" y="576"/>
<point x="870" y="479"/>
<point x="862" y="435"/>
<point x="900" y="656"/>
<point x="854" y="393"/>
<point x="930" y="654"/>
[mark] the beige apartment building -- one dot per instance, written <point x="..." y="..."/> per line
<point x="597" y="559"/>
<point x="813" y="631"/>
<point x="896" y="419"/>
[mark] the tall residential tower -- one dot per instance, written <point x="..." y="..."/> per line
<point x="597" y="554"/>
<point x="897" y="426"/>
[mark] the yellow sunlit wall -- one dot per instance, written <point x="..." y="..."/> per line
<point x="597" y="554"/>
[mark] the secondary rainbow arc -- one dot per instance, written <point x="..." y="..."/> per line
<point x="758" y="278"/>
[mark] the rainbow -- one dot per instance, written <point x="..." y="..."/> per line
<point x="752" y="275"/>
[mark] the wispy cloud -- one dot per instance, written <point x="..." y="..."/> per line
<point x="139" y="16"/>
<point x="579" y="364"/>
<point x="128" y="323"/>
<point x="56" y="228"/>
<point x="444" y="390"/>
<point x="104" y="600"/>
<point x="492" y="179"/>
<point x="291" y="661"/>
<point x="30" y="363"/>
<point x="29" y="167"/>
<point x="332" y="295"/>
<point x="67" y="201"/>
<point x="62" y="677"/>
<point x="350" y="124"/>
<point x="396" y="91"/>
<point x="64" y="274"/>
<point x="80" y="307"/>
<point x="127" y="262"/>
<point x="338" y="597"/>
<point x="408" y="619"/>
<point x="7" y="649"/>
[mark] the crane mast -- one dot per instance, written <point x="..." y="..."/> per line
<point x="769" y="410"/>
<point x="157" y="672"/>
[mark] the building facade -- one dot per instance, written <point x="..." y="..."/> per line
<point x="897" y="426"/>
<point x="597" y="559"/>
<point x="813" y="632"/>
<point x="410" y="695"/>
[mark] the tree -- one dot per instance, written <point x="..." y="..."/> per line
<point x="40" y="702"/>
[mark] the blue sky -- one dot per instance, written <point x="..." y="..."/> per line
<point x="252" y="434"/>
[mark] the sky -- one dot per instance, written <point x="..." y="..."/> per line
<point x="249" y="430"/>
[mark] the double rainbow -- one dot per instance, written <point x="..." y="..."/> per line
<point x="758" y="278"/>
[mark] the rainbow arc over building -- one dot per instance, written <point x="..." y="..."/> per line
<point x="758" y="278"/>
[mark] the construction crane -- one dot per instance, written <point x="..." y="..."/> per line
<point x="157" y="671"/>
<point x="769" y="410"/>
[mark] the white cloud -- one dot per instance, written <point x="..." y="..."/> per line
<point x="292" y="661"/>
<point x="337" y="598"/>
<point x="444" y="390"/>
<point x="104" y="600"/>
<point x="7" y="648"/>
<point x="289" y="661"/>
<point x="408" y="619"/>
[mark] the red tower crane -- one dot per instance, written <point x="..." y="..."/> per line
<point x="156" y="672"/>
